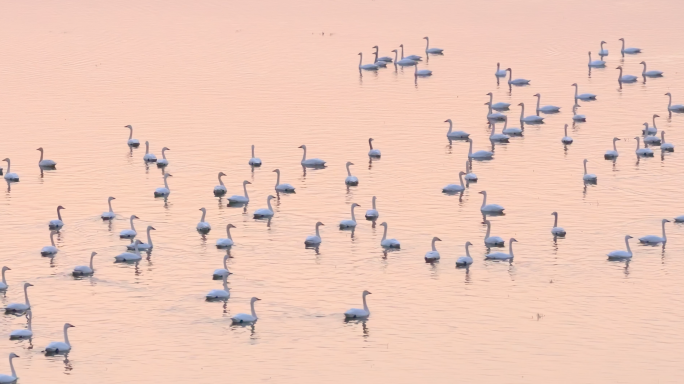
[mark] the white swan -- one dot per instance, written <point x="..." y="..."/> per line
<point x="237" y="199"/>
<point x="609" y="155"/>
<point x="254" y="161"/>
<point x="603" y="52"/>
<point x="651" y="73"/>
<point x="13" y="377"/>
<point x="566" y="139"/>
<point x="511" y="131"/>
<point x="10" y="176"/>
<point x="20" y="307"/>
<point x="532" y="119"/>
<point x="679" y="219"/>
<point x="455" y="188"/>
<point x="503" y="255"/>
<point x="3" y="284"/>
<point x="470" y="176"/>
<point x="516" y="81"/>
<point x="492" y="241"/>
<point x="144" y="246"/>
<point x="228" y="241"/>
<point x="314" y="240"/>
<point x="499" y="105"/>
<point x="388" y="243"/>
<point x="372" y="214"/>
<point x="45" y="163"/>
<point x="455" y="134"/>
<point x="628" y="50"/>
<point x="546" y="108"/>
<point x="431" y="50"/>
<point x="373" y="152"/>
<point x="433" y="255"/>
<point x="676" y="107"/>
<point x="129" y="233"/>
<point x="50" y="250"/>
<point x="356" y="313"/>
<point x="403" y="62"/>
<point x="350" y="180"/>
<point x="667" y="147"/>
<point x="282" y="187"/>
<point x="82" y="270"/>
<point x="219" y="294"/>
<point x="349" y="223"/>
<point x="26" y="333"/>
<point x="203" y="227"/>
<point x="645" y="152"/>
<point x="56" y="347"/>
<point x="110" y="215"/>
<point x="131" y="141"/>
<point x="596" y="63"/>
<point x="654" y="140"/>
<point x="618" y="255"/>
<point x="491" y="115"/>
<point x="410" y="57"/>
<point x="163" y="162"/>
<point x="556" y="230"/>
<point x="651" y="130"/>
<point x="590" y="177"/>
<point x="500" y="72"/>
<point x="386" y="59"/>
<point x="150" y="158"/>
<point x="368" y="67"/>
<point x="242" y="318"/>
<point x="498" y="137"/>
<point x="265" y="212"/>
<point x="163" y="191"/>
<point x="489" y="208"/>
<point x="421" y="72"/>
<point x="479" y="155"/>
<point x="577" y="117"/>
<point x="466" y="260"/>
<point x="220" y="189"/>
<point x="127" y="256"/>
<point x="219" y="273"/>
<point x="625" y="78"/>
<point x="583" y="96"/>
<point x="56" y="225"/>
<point x="652" y="239"/>
<point x="310" y="162"/>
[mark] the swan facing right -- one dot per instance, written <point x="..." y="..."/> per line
<point x="226" y="242"/>
<point x="345" y="224"/>
<point x="110" y="215"/>
<point x="57" y="347"/>
<point x="219" y="294"/>
<point x="265" y="212"/>
<point x="351" y="180"/>
<point x="622" y="255"/>
<point x="164" y="191"/>
<point x="9" y="379"/>
<point x="466" y="260"/>
<point x="20" y="307"/>
<point x="433" y="255"/>
<point x="612" y="154"/>
<point x="356" y="313"/>
<point x="57" y="224"/>
<point x="503" y="255"/>
<point x="84" y="270"/>
<point x="652" y="239"/>
<point x="314" y="240"/>
<point x="667" y="147"/>
<point x="242" y="318"/>
<point x="455" y="188"/>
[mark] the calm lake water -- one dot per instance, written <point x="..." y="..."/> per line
<point x="208" y="79"/>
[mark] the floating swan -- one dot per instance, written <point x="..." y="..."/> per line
<point x="386" y="59"/>
<point x="22" y="333"/>
<point x="129" y="233"/>
<point x="583" y="96"/>
<point x="109" y="215"/>
<point x="265" y="212"/>
<point x="492" y="241"/>
<point x="20" y="307"/>
<point x="403" y="62"/>
<point x="373" y="152"/>
<point x="3" y="284"/>
<point x="372" y="214"/>
<point x="57" y="224"/>
<point x="651" y="239"/>
<point x="421" y="72"/>
<point x="516" y="81"/>
<point x="596" y="63"/>
<point x="499" y="105"/>
<point x="455" y="188"/>
<point x="489" y="208"/>
<point x="511" y="131"/>
<point x="532" y="119"/>
<point x="617" y="255"/>
<point x="466" y="260"/>
<point x="10" y="176"/>
<point x="494" y="115"/>
<point x="410" y="57"/>
<point x="219" y="294"/>
<point x="500" y="72"/>
<point x="455" y="134"/>
<point x="431" y="50"/>
<point x="220" y="189"/>
<point x="575" y="116"/>
<point x="676" y="107"/>
<point x="679" y="219"/>
<point x="45" y="163"/>
<point x="651" y="73"/>
<point x="164" y="191"/>
<point x="603" y="52"/>
<point x="625" y="78"/>
<point x="60" y="346"/>
<point x="469" y="175"/>
<point x="590" y="177"/>
<point x="350" y="223"/>
<point x="546" y="108"/>
<point x="665" y="146"/>
<point x="388" y="243"/>
<point x="282" y="187"/>
<point x="350" y="180"/>
<point x="150" y="158"/>
<point x="433" y="255"/>
<point x="242" y="318"/>
<point x="314" y="239"/>
<point x="566" y="139"/>
<point x="655" y="140"/>
<point x="356" y="313"/>
<point x="254" y="161"/>
<point x="203" y="227"/>
<point x="310" y="162"/>
<point x="628" y="50"/>
<point x="82" y="270"/>
<point x="13" y="377"/>
<point x="131" y="141"/>
<point x="228" y="241"/>
<point x="479" y="155"/>
<point x="556" y="230"/>
<point x="646" y="152"/>
<point x="368" y="67"/>
<point x="50" y="250"/>
<point x="654" y="129"/>
<point x="504" y="255"/>
<point x="163" y="162"/>
<point x="144" y="246"/>
<point x="221" y="272"/>
<point x="127" y="256"/>
<point x="609" y="155"/>
<point x="498" y="137"/>
<point x="237" y="199"/>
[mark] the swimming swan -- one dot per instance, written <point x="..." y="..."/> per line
<point x="129" y="233"/>
<point x="373" y="152"/>
<point x="109" y="215"/>
<point x="621" y="255"/>
<point x="356" y="313"/>
<point x="566" y="139"/>
<point x="609" y="155"/>
<point x="645" y="152"/>
<point x="516" y="81"/>
<point x="349" y="223"/>
<point x="455" y="188"/>
<point x="368" y="67"/>
<point x="386" y="59"/>
<point x="655" y="140"/>
<point x="667" y="147"/>
<point x="203" y="227"/>
<point x="470" y="176"/>
<point x="228" y="241"/>
<point x="590" y="177"/>
<point x="577" y="117"/>
<point x="219" y="294"/>
<point x="221" y="272"/>
<point x="651" y="73"/>
<point x="56" y="225"/>
<point x="455" y="134"/>
<point x="410" y="57"/>
<point x="350" y="180"/>
<point x="628" y="50"/>
<point x="388" y="243"/>
<point x="50" y="250"/>
<point x="511" y="131"/>
<point x="163" y="162"/>
<point x="651" y="130"/>
<point x="421" y="72"/>
<point x="310" y="162"/>
<point x="254" y="161"/>
<point x="403" y="62"/>
<point x="489" y="208"/>
<point x="583" y="96"/>
<point x="314" y="239"/>
<point x="82" y="270"/>
<point x="22" y="333"/>
<point x="127" y="256"/>
<point x="556" y="230"/>
<point x="10" y="176"/>
<point x="144" y="246"/>
<point x="651" y="239"/>
<point x="242" y="318"/>
<point x="372" y="214"/>
<point x="220" y="189"/>
<point x="433" y="255"/>
<point x="498" y="137"/>
<point x="20" y="307"/>
<point x="596" y="63"/>
<point x="13" y="377"/>
<point x="3" y="284"/>
<point x="466" y="260"/>
<point x="150" y="158"/>
<point x="282" y="187"/>
<point x="237" y="199"/>
<point x="603" y="52"/>
<point x="499" y="105"/>
<point x="532" y="119"/>
<point x="494" y="115"/>
<point x="676" y="107"/>
<point x="45" y="163"/>
<point x="60" y="346"/>
<point x="431" y="50"/>
<point x="500" y="72"/>
<point x="503" y="255"/>
<point x="265" y="212"/>
<point x="625" y="78"/>
<point x="131" y="141"/>
<point x="492" y="241"/>
<point x="546" y="108"/>
<point x="479" y="155"/>
<point x="163" y="191"/>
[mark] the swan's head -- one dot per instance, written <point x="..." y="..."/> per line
<point x="93" y="254"/>
<point x="26" y="285"/>
<point x="302" y="146"/>
<point x="461" y="173"/>
<point x="275" y="170"/>
<point x="668" y="94"/>
<point x="254" y="299"/>
<point x="366" y="293"/>
<point x="168" y="174"/>
<point x="246" y="182"/>
<point x="166" y="149"/>
<point x="60" y="207"/>
<point x="270" y="197"/>
<point x="230" y="226"/>
<point x="586" y="161"/>
<point x="622" y="39"/>
<point x="603" y="42"/>
<point x="401" y="45"/>
<point x="628" y="237"/>
<point x="6" y="269"/>
<point x="394" y="50"/>
<point x="508" y="69"/>
<point x="589" y="53"/>
<point x="355" y="205"/>
<point x="111" y="198"/>
<point x="375" y="46"/>
<point x="643" y="62"/>
<point x="128" y="126"/>
<point x="488" y="103"/>
<point x="384" y="224"/>
<point x="468" y="243"/>
<point x="319" y="224"/>
<point x="484" y="193"/>
<point x="370" y="139"/>
<point x="554" y="213"/>
<point x="513" y="240"/>
<point x="40" y="149"/>
<point x="447" y="121"/>
<point x="11" y="355"/>
<point x="151" y="228"/>
<point x="6" y="159"/>
<point x="666" y="221"/>
<point x="222" y="174"/>
<point x="536" y="95"/>
<point x="654" y="115"/>
<point x="619" y="67"/>
<point x="203" y="210"/>
<point x="134" y="217"/>
<point x="573" y="85"/>
<point x="67" y="325"/>
<point x="349" y="163"/>
<point x="436" y="239"/>
<point x="521" y="104"/>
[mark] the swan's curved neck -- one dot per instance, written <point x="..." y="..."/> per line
<point x="589" y="57"/>
<point x="41" y="156"/>
<point x="555" y="220"/>
<point x="664" y="237"/>
<point x="654" y="124"/>
<point x="384" y="237"/>
<point x="629" y="250"/>
<point x="110" y="206"/>
<point x="228" y="233"/>
<point x="348" y="171"/>
<point x="576" y="92"/>
<point x="253" y="313"/>
<point x="268" y="202"/>
<point x="8" y="166"/>
<point x="30" y="321"/>
<point x="522" y="112"/>
<point x="204" y="215"/>
<point x="601" y="47"/>
<point x="614" y="147"/>
<point x="489" y="228"/>
<point x="460" y="178"/>
<point x="220" y="181"/>
<point x="566" y="130"/>
<point x="493" y="130"/>
<point x="91" y="261"/>
<point x="28" y="304"/>
<point x="374" y="202"/>
<point x="427" y="45"/>
<point x="585" y="168"/>
<point x="365" y="306"/>
<point x="669" y="104"/>
<point x="252" y="151"/>
<point x="59" y="215"/>
<point x="149" y="236"/>
<point x="470" y="150"/>
<point x="623" y="45"/>
<point x="434" y="249"/>
<point x="318" y="233"/>
<point x="395" y="57"/>
<point x="132" y="226"/>
<point x="510" y="75"/>
<point x="538" y="101"/>
<point x="225" y="282"/>
<point x="574" y="110"/>
<point x="3" y="276"/>
<point x="166" y="184"/>
<point x="14" y="373"/>
<point x="620" y="76"/>
<point x="376" y="55"/>
<point x="467" y="251"/>
<point x="225" y="260"/>
<point x="130" y="135"/>
<point x="52" y="241"/>
<point x="352" y="212"/>
<point x="304" y="156"/>
<point x="360" y="61"/>
<point x="467" y="166"/>
<point x="244" y="185"/>
<point x="639" y="141"/>
<point x="491" y="96"/>
<point x="370" y="143"/>
<point x="402" y="52"/>
<point x="642" y="72"/>
<point x="510" y="248"/>
<point x="147" y="147"/>
<point x="278" y="178"/>
<point x="484" y="199"/>
<point x="66" y="336"/>
<point x="451" y="126"/>
<point x="164" y="154"/>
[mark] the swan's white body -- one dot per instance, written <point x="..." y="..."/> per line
<point x="282" y="187"/>
<point x="220" y="189"/>
<point x="421" y="72"/>
<point x="621" y="255"/>
<point x="653" y="140"/>
<point x="220" y="273"/>
<point x="645" y="152"/>
<point x="242" y="318"/>
<point x="265" y="212"/>
<point x="577" y="117"/>
<point x="237" y="199"/>
<point x="9" y="379"/>
<point x="310" y="162"/>
<point x="583" y="96"/>
<point x="679" y="219"/>
<point x="356" y="313"/>
<point x="314" y="239"/>
<point x="410" y="57"/>
<point x="629" y="50"/>
<point x="349" y="223"/>
<point x="148" y="157"/>
<point x="546" y="108"/>
<point x="466" y="260"/>
<point x="511" y="131"/>
<point x="143" y="246"/>
<point x="499" y="105"/>
<point x="367" y="67"/>
<point x="10" y="176"/>
<point x="625" y="78"/>
<point x="130" y="257"/>
<point x="131" y="141"/>
<point x="556" y="230"/>
<point x="203" y="227"/>
<point x="676" y="107"/>
<point x="455" y="134"/>
<point x="228" y="241"/>
<point x="612" y="154"/>
<point x="652" y="73"/>
<point x="455" y="188"/>
<point x="433" y="255"/>
<point x="590" y="177"/>
<point x="596" y="63"/>
<point x="504" y="255"/>
<point x="516" y="81"/>
<point x="163" y="191"/>
<point x="45" y="163"/>
<point x="373" y="152"/>
<point x="479" y="155"/>
<point x="3" y="284"/>
<point x="386" y="59"/>
<point x="532" y="119"/>
<point x="219" y="294"/>
<point x="500" y="72"/>
<point x="431" y="50"/>
<point x="163" y="162"/>
<point x="372" y="214"/>
<point x="667" y="147"/>
<point x="494" y="115"/>
<point x="56" y="225"/>
<point x="566" y="139"/>
<point x="403" y="62"/>
<point x="57" y="347"/>
<point x="498" y="137"/>
<point x="350" y="180"/>
<point x="110" y="215"/>
<point x="82" y="270"/>
<point x="23" y="333"/>
<point x="20" y="307"/>
<point x="50" y="250"/>
<point x="254" y="161"/>
<point x="652" y="239"/>
<point x="129" y="233"/>
<point x="492" y="241"/>
<point x="489" y="208"/>
<point x="603" y="52"/>
<point x="469" y="175"/>
<point x="388" y="243"/>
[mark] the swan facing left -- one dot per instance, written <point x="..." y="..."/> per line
<point x="451" y="134"/>
<point x="431" y="50"/>
<point x="242" y="318"/>
<point x="148" y="157"/>
<point x="356" y="313"/>
<point x="284" y="187"/>
<point x="131" y="141"/>
<point x="57" y="347"/>
<point x="310" y="162"/>
<point x="128" y="256"/>
<point x="20" y="334"/>
<point x="47" y="164"/>
<point x="368" y="67"/>
<point x="642" y="152"/>
<point x="373" y="152"/>
<point x="628" y="50"/>
<point x="388" y="243"/>
<point x="50" y="250"/>
<point x="652" y="73"/>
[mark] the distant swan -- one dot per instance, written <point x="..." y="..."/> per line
<point x="314" y="239"/>
<point x="163" y="162"/>
<point x="455" y="134"/>
<point x="220" y="189"/>
<point x="470" y="176"/>
<point x="625" y="78"/>
<point x="45" y="163"/>
<point x="13" y="377"/>
<point x="356" y="313"/>
<point x="455" y="188"/>
<point x="242" y="318"/>
<point x="577" y="117"/>
<point x="350" y="180"/>
<point x="511" y="131"/>
<point x="282" y="187"/>
<point x="228" y="241"/>
<point x="489" y="208"/>
<point x="388" y="243"/>
<point x="221" y="272"/>
<point x="645" y="152"/>
<point x="127" y="256"/>
<point x="566" y="139"/>
<point x="83" y="270"/>
<point x="50" y="250"/>
<point x="590" y="177"/>
<point x="433" y="255"/>
<point x="20" y="307"/>
<point x="500" y="72"/>
<point x="676" y="107"/>
<point x="131" y="141"/>
<point x="498" y="137"/>
<point x="56" y="225"/>
<point x="532" y="119"/>
<point x="368" y="67"/>
<point x="596" y="63"/>
<point x="219" y="294"/>
<point x="109" y="215"/>
<point x="372" y="214"/>
<point x="254" y="161"/>
<point x="628" y="50"/>
<point x="410" y="57"/>
<point x="203" y="227"/>
<point x="651" y="130"/>
<point x="556" y="230"/>
<point x="237" y="199"/>
<point x="349" y="223"/>
<point x="22" y="334"/>
<point x="652" y="239"/>
<point x="57" y="347"/>
<point x="479" y="155"/>
<point x="386" y="59"/>
<point x="651" y="73"/>
<point x="402" y="62"/>
<point x="10" y="176"/>
<point x="618" y="255"/>
<point x="609" y="155"/>
<point x="603" y="52"/>
<point x="3" y="284"/>
<point x="163" y="191"/>
<point x="144" y="246"/>
<point x="583" y="96"/>
<point x="499" y="105"/>
<point x="466" y="260"/>
<point x="667" y="147"/>
<point x="654" y="140"/>
<point x="431" y="50"/>
<point x="492" y="241"/>
<point x="503" y="255"/>
<point x="150" y="158"/>
<point x="491" y="115"/>
<point x="310" y="162"/>
<point x="129" y="233"/>
<point x="546" y="108"/>
<point x="516" y="81"/>
<point x="373" y="152"/>
<point x="265" y="212"/>
<point x="421" y="72"/>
